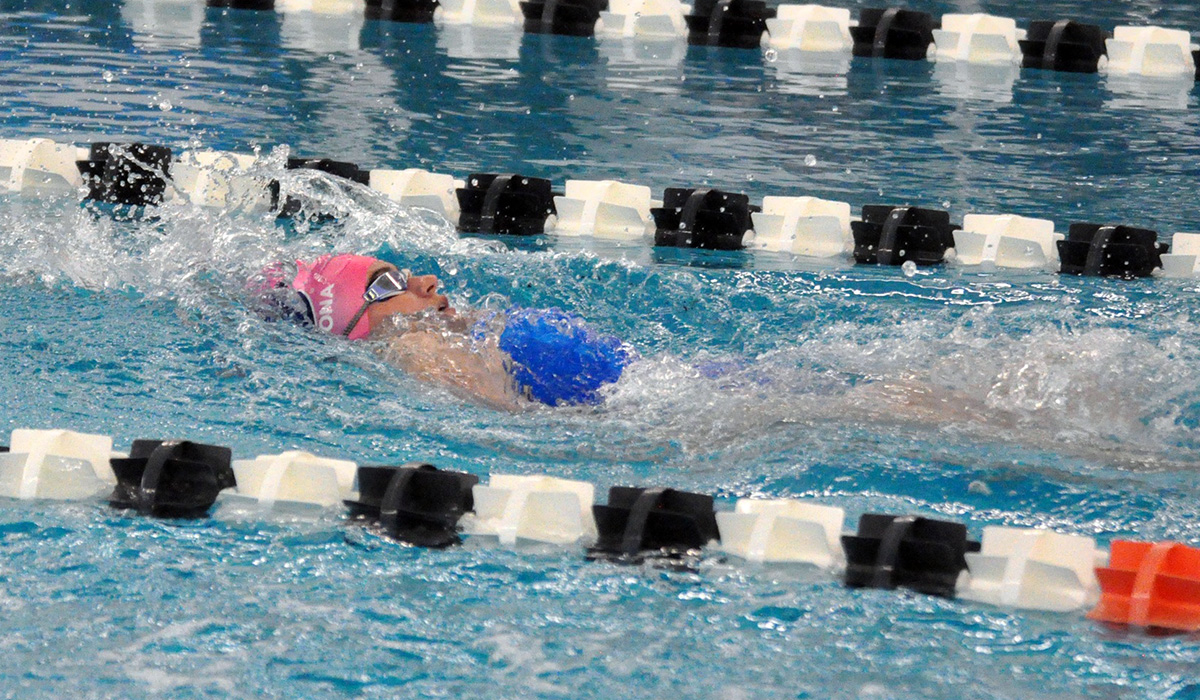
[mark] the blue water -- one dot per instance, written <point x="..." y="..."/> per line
<point x="1075" y="402"/>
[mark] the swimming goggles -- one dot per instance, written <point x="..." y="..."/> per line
<point x="389" y="284"/>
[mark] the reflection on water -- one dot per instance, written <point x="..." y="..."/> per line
<point x="961" y="80"/>
<point x="154" y="21"/>
<point x="320" y="32"/>
<point x="632" y="53"/>
<point x="483" y="42"/>
<point x="1155" y="93"/>
<point x="809" y="72"/>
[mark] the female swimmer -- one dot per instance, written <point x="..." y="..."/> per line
<point x="505" y="360"/>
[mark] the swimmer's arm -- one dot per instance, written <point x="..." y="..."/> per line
<point x="477" y="374"/>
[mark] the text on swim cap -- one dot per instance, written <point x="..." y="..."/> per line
<point x="325" y="309"/>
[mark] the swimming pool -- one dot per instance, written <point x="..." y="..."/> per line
<point x="1076" y="400"/>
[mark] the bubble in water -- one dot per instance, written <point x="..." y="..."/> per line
<point x="810" y="160"/>
<point x="770" y="55"/>
<point x="108" y="76"/>
<point x="909" y="268"/>
<point x="166" y="105"/>
<point x="980" y="488"/>
<point x="946" y="204"/>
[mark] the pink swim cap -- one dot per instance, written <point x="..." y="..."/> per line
<point x="333" y="286"/>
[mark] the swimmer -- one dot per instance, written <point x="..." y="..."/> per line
<point x="506" y="360"/>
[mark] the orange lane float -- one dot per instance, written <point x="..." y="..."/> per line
<point x="1150" y="585"/>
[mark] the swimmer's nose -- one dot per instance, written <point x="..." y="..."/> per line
<point x="423" y="285"/>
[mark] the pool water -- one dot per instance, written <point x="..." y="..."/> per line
<point x="1014" y="398"/>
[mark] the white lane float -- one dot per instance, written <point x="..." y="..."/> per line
<point x="604" y="209"/>
<point x="1150" y="51"/>
<point x="32" y="166"/>
<point x="644" y="18"/>
<point x="1184" y="256"/>
<point x="220" y="180"/>
<point x="813" y="28"/>
<point x="978" y="38"/>
<point x="419" y="188"/>
<point x="803" y="226"/>
<point x="1033" y="570"/>
<point x="783" y="531"/>
<point x="293" y="478"/>
<point x="56" y="464"/>
<point x="532" y="508"/>
<point x="1006" y="241"/>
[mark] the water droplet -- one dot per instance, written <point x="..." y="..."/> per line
<point x="810" y="160"/>
<point x="770" y="55"/>
<point x="946" y="204"/>
<point x="108" y="76"/>
<point x="166" y="105"/>
<point x="980" y="488"/>
<point x="909" y="268"/>
<point x="265" y="88"/>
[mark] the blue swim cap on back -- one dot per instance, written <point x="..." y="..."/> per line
<point x="558" y="359"/>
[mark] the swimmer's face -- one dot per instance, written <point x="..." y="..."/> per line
<point x="421" y="294"/>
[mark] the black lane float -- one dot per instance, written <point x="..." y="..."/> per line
<point x="893" y="33"/>
<point x="1096" y="250"/>
<point x="411" y="11"/>
<point x="342" y="169"/>
<point x="736" y="24"/>
<point x="702" y="218"/>
<point x="890" y="551"/>
<point x="171" y="479"/>
<point x="653" y="520"/>
<point x="564" y="17"/>
<point x="505" y="204"/>
<point x="131" y="174"/>
<point x="895" y="235"/>
<point x="416" y="502"/>
<point x="1063" y="45"/>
